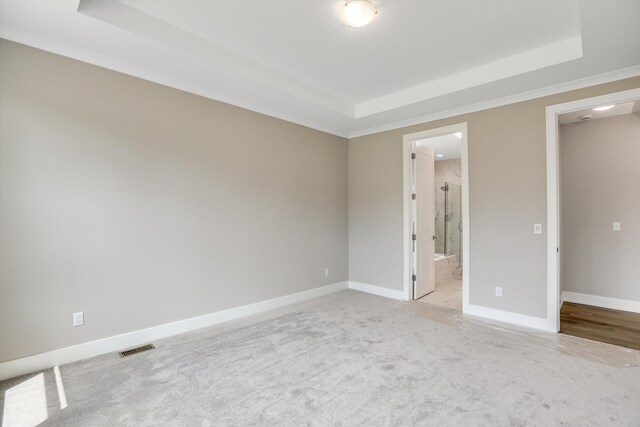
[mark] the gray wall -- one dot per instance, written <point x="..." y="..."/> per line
<point x="448" y="171"/>
<point x="507" y="173"/>
<point x="141" y="205"/>
<point x="600" y="184"/>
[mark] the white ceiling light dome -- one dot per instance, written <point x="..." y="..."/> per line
<point x="604" y="108"/>
<point x="358" y="13"/>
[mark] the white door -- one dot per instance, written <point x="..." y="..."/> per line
<point x="424" y="222"/>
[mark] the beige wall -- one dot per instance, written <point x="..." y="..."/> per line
<point x="507" y="173"/>
<point x="600" y="184"/>
<point x="141" y="205"/>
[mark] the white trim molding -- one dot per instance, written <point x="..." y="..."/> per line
<point x="38" y="362"/>
<point x="522" y="63"/>
<point x="172" y="81"/>
<point x="531" y="322"/>
<point x="377" y="290"/>
<point x="347" y="126"/>
<point x="613" y="76"/>
<point x="604" y="302"/>
<point x="553" y="190"/>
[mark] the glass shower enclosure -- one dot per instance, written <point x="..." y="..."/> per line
<point x="448" y="219"/>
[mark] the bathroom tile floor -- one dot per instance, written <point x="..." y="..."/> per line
<point x="448" y="294"/>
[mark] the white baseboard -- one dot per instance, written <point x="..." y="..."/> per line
<point x="377" y="290"/>
<point x="507" y="317"/>
<point x="26" y="365"/>
<point x="605" y="302"/>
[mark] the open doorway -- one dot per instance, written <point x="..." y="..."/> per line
<point x="594" y="200"/>
<point x="436" y="216"/>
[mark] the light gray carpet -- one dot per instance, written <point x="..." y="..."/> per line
<point x="347" y="359"/>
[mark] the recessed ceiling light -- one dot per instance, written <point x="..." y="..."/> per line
<point x="604" y="108"/>
<point x="439" y="155"/>
<point x="358" y="13"/>
<point x="458" y="134"/>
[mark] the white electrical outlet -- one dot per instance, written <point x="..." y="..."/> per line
<point x="537" y="228"/>
<point x="326" y="272"/>
<point x="498" y="291"/>
<point x="78" y="318"/>
<point x="617" y="226"/>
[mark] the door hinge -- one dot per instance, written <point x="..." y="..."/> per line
<point x="414" y="237"/>
<point x="434" y="237"/>
<point x="413" y="196"/>
<point x="414" y="278"/>
<point x="557" y="250"/>
<point x="413" y="156"/>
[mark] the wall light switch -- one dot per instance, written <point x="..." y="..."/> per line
<point x="616" y="226"/>
<point x="498" y="291"/>
<point x="326" y="272"/>
<point x="537" y="228"/>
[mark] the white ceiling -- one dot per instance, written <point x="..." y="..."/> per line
<point x="449" y="146"/>
<point x="617" y="110"/>
<point x="418" y="60"/>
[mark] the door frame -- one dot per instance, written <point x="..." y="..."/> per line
<point x="407" y="141"/>
<point x="553" y="191"/>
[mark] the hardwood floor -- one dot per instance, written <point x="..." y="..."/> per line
<point x="601" y="324"/>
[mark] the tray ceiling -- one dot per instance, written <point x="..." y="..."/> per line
<point x="298" y="61"/>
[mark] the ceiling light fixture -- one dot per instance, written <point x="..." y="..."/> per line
<point x="358" y="13"/>
<point x="604" y="108"/>
<point x="439" y="155"/>
<point x="458" y="134"/>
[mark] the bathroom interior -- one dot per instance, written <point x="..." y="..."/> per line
<point x="448" y="222"/>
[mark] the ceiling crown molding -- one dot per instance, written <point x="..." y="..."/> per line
<point x="499" y="102"/>
<point x="301" y="65"/>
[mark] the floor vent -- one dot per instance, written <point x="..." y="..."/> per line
<point x="136" y="350"/>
